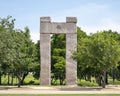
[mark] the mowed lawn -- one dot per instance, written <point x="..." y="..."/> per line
<point x="60" y="95"/>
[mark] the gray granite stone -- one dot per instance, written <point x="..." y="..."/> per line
<point x="45" y="50"/>
<point x="45" y="19"/>
<point x="58" y="28"/>
<point x="69" y="28"/>
<point x="71" y="65"/>
<point x="71" y="20"/>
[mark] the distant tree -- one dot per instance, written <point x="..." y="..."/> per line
<point x="99" y="51"/>
<point x="58" y="57"/>
<point x="36" y="67"/>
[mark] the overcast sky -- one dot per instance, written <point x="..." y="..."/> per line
<point x="92" y="15"/>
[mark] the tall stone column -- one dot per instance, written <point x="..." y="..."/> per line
<point x="45" y="54"/>
<point x="71" y="42"/>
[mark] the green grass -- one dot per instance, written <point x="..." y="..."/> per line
<point x="87" y="83"/>
<point x="116" y="82"/>
<point x="60" y="95"/>
<point x="31" y="80"/>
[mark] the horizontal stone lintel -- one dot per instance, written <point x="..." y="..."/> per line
<point x="58" y="28"/>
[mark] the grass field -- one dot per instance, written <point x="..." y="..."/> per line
<point x="29" y="80"/>
<point x="60" y="95"/>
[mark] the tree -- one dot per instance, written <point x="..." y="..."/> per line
<point x="24" y="55"/>
<point x="58" y="57"/>
<point x="59" y="71"/>
<point x="6" y="32"/>
<point x="99" y="51"/>
<point x="36" y="67"/>
<point x="106" y="53"/>
<point x="16" y="50"/>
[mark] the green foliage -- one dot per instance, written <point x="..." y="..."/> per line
<point x="84" y="83"/>
<point x="30" y="80"/>
<point x="105" y="51"/>
<point x="58" y="57"/>
<point x="99" y="52"/>
<point x="36" y="67"/>
<point x="17" y="51"/>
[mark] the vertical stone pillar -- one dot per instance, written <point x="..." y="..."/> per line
<point x="71" y="41"/>
<point x="45" y="53"/>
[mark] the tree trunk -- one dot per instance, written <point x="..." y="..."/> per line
<point x="0" y="78"/>
<point x="104" y="80"/>
<point x="113" y="78"/>
<point x="12" y="79"/>
<point x="8" y="78"/>
<point x="61" y="82"/>
<point x="25" y="74"/>
<point x="21" y="79"/>
<point x="99" y="79"/>
<point x="19" y="82"/>
<point x="89" y="78"/>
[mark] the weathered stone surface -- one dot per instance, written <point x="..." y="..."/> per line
<point x="45" y="19"/>
<point x="71" y="20"/>
<point x="58" y="28"/>
<point x="69" y="28"/>
<point x="45" y="51"/>
<point x="71" y="65"/>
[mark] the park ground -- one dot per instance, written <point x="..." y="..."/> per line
<point x="59" y="90"/>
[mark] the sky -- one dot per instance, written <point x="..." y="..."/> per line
<point x="92" y="15"/>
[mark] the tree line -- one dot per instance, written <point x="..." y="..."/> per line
<point x="98" y="54"/>
<point x="18" y="54"/>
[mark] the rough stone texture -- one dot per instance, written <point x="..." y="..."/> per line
<point x="58" y="28"/>
<point x="45" y="50"/>
<point x="69" y="28"/>
<point x="45" y="19"/>
<point x="71" y="65"/>
<point x="71" y="20"/>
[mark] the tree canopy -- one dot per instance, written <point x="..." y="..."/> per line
<point x="99" y="51"/>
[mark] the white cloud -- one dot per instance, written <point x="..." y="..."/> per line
<point x="35" y="36"/>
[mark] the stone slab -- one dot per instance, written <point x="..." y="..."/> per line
<point x="58" y="28"/>
<point x="71" y="20"/>
<point x="71" y="65"/>
<point x="45" y="19"/>
<point x="45" y="50"/>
